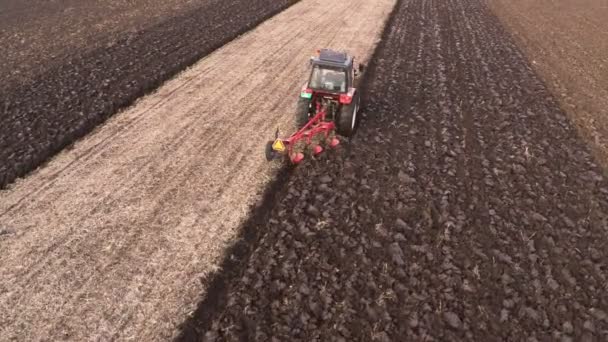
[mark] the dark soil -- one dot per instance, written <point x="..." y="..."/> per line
<point x="466" y="208"/>
<point x="50" y="111"/>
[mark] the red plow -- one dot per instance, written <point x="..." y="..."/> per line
<point x="317" y="125"/>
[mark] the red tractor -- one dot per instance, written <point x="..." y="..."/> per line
<point x="328" y="102"/>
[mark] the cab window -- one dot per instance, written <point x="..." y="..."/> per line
<point x="329" y="79"/>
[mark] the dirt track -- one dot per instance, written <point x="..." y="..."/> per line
<point x="568" y="44"/>
<point x="111" y="238"/>
<point x="466" y="208"/>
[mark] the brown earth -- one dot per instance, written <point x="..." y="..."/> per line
<point x="466" y="208"/>
<point x="80" y="73"/>
<point x="567" y="42"/>
<point x="110" y="239"/>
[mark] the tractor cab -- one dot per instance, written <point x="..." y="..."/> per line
<point x="332" y="72"/>
<point x="330" y="88"/>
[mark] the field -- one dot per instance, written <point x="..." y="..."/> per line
<point x="74" y="81"/>
<point x="567" y="42"/>
<point x="466" y="208"/>
<point x="111" y="238"/>
<point x="470" y="205"/>
<point x="38" y="34"/>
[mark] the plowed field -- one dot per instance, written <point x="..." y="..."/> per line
<point x="466" y="208"/>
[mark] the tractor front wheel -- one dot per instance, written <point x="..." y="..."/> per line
<point x="347" y="119"/>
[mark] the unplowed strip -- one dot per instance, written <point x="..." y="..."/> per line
<point x="110" y="240"/>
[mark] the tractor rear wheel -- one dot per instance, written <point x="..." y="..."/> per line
<point x="347" y="119"/>
<point x="302" y="112"/>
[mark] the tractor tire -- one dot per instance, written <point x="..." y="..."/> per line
<point x="347" y="119"/>
<point x="302" y="112"/>
<point x="270" y="153"/>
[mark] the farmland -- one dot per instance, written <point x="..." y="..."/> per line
<point x="471" y="204"/>
<point x="467" y="207"/>
<point x="111" y="238"/>
<point x="95" y="65"/>
<point x="567" y="43"/>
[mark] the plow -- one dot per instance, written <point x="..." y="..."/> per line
<point x="327" y="108"/>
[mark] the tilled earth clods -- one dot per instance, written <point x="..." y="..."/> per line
<point x="466" y="208"/>
<point x="40" y="117"/>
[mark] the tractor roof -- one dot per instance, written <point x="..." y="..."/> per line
<point x="332" y="58"/>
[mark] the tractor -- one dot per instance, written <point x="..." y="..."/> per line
<point x="329" y="102"/>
